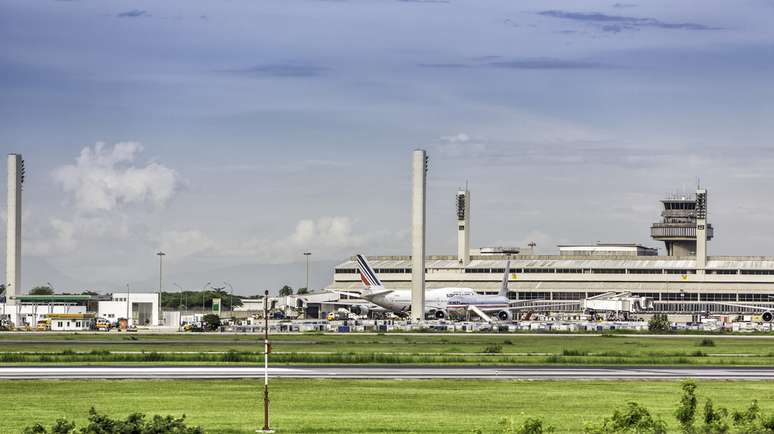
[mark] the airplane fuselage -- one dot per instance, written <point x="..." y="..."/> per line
<point x="443" y="299"/>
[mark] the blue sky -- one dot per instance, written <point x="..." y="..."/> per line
<point x="238" y="133"/>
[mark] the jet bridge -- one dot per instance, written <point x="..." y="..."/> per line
<point x="617" y="302"/>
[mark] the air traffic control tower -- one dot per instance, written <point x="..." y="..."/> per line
<point x="683" y="216"/>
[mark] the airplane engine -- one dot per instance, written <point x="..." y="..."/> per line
<point x="436" y="314"/>
<point x="504" y="315"/>
<point x="767" y="316"/>
<point x="359" y="309"/>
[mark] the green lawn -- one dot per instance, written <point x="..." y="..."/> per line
<point x="391" y="348"/>
<point x="360" y="406"/>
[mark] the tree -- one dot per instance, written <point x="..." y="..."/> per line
<point x="302" y="291"/>
<point x="715" y="421"/>
<point x="42" y="290"/>
<point x="686" y="411"/>
<point x="659" y="323"/>
<point x="211" y="321"/>
<point x="285" y="291"/>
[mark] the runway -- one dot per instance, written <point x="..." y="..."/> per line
<point x="381" y="372"/>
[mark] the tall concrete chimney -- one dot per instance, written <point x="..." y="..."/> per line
<point x="701" y="230"/>
<point x="418" y="219"/>
<point x="13" y="234"/>
<point x="463" y="227"/>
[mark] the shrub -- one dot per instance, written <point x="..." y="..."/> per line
<point x="152" y="357"/>
<point x="686" y="410"/>
<point x="574" y="353"/>
<point x="715" y="421"/>
<point x="211" y="321"/>
<point x="232" y="356"/>
<point x="659" y="323"/>
<point x="706" y="342"/>
<point x="751" y="421"/>
<point x="634" y="418"/>
<point x="531" y="425"/>
<point x="135" y="423"/>
<point x="493" y="349"/>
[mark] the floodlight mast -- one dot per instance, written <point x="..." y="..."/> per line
<point x="266" y="349"/>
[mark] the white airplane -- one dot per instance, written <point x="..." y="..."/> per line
<point x="438" y="301"/>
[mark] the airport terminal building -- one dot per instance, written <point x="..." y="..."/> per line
<point x="686" y="280"/>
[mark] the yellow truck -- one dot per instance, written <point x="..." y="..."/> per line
<point x="103" y="325"/>
<point x="43" y="325"/>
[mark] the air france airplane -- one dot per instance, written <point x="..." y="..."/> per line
<point x="438" y="302"/>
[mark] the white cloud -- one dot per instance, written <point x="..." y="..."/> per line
<point x="325" y="232"/>
<point x="461" y="145"/>
<point x="327" y="237"/>
<point x="104" y="178"/>
<point x="182" y="243"/>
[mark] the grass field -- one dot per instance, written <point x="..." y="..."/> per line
<point x="359" y="406"/>
<point x="390" y="348"/>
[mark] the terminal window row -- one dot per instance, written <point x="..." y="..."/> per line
<point x="693" y="307"/>
<point x="571" y="271"/>
<point x="657" y="296"/>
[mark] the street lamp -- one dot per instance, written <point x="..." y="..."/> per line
<point x="266" y="350"/>
<point x="128" y="307"/>
<point x="203" y="289"/>
<point x="161" y="257"/>
<point x="181" y="295"/>
<point x="230" y="296"/>
<point x="307" y="254"/>
<point x="179" y="307"/>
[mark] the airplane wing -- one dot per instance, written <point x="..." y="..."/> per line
<point x="351" y="294"/>
<point x="379" y="292"/>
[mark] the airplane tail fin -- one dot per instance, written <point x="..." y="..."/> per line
<point x="367" y="274"/>
<point x="504" y="286"/>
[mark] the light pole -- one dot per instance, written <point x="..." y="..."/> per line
<point x="128" y="307"/>
<point x="161" y="255"/>
<point x="307" y="254"/>
<point x="181" y="295"/>
<point x="179" y="307"/>
<point x="230" y="296"/>
<point x="266" y="350"/>
<point x="203" y="289"/>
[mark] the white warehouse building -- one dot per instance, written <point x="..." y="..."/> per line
<point x="142" y="308"/>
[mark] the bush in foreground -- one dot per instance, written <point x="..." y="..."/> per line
<point x="531" y="425"/>
<point x="133" y="424"/>
<point x="633" y="418"/>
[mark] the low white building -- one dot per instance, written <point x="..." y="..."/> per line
<point x="30" y="309"/>
<point x="71" y="321"/>
<point x="142" y="308"/>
